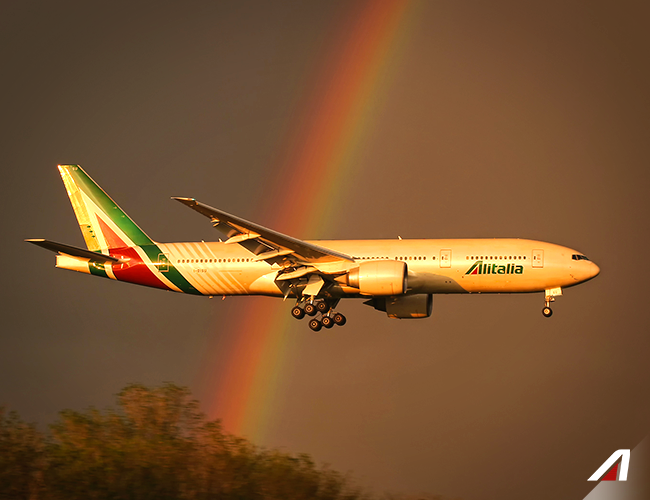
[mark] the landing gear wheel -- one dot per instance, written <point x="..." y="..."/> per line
<point x="310" y="309"/>
<point x="339" y="319"/>
<point x="315" y="325"/>
<point x="327" y="322"/>
<point x="322" y="306"/>
<point x="298" y="312"/>
<point x="547" y="312"/>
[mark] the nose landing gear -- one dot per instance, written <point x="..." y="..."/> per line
<point x="549" y="296"/>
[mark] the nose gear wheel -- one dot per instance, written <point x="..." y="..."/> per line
<point x="547" y="311"/>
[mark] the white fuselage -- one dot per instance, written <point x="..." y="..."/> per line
<point x="499" y="265"/>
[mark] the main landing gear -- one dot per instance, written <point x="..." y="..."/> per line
<point x="325" y="316"/>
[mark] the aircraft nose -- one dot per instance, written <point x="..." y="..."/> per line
<point x="594" y="271"/>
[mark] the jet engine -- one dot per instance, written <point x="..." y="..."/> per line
<point x="404" y="306"/>
<point x="379" y="277"/>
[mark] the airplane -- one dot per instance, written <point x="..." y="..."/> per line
<point x="396" y="276"/>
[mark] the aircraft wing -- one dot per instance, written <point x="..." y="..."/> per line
<point x="267" y="244"/>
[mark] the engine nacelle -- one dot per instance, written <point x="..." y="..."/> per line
<point x="379" y="277"/>
<point x="404" y="306"/>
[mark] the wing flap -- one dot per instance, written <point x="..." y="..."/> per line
<point x="298" y="273"/>
<point x="272" y="254"/>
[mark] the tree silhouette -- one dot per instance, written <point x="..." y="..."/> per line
<point x="21" y="457"/>
<point x="155" y="445"/>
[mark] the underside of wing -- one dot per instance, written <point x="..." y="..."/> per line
<point x="266" y="244"/>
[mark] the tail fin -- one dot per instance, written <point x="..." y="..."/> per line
<point x="104" y="225"/>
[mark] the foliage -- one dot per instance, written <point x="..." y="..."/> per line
<point x="156" y="445"/>
<point x="21" y="457"/>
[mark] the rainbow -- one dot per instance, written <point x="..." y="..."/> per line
<point x="240" y="378"/>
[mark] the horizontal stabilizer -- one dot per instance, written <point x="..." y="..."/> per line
<point x="73" y="251"/>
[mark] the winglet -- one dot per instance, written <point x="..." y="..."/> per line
<point x="195" y="205"/>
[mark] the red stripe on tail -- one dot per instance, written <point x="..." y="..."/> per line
<point x="112" y="239"/>
<point x="134" y="270"/>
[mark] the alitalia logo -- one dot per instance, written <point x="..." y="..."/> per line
<point x="479" y="268"/>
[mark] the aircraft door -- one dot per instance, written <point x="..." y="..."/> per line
<point x="445" y="258"/>
<point x="538" y="258"/>
<point x="163" y="262"/>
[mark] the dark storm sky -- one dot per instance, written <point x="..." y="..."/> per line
<point x="501" y="120"/>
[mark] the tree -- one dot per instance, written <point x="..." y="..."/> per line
<point x="158" y="445"/>
<point x="21" y="457"/>
<point x="155" y="445"/>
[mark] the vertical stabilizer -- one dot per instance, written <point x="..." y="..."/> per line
<point x="103" y="223"/>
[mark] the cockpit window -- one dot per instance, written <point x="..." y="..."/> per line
<point x="576" y="256"/>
